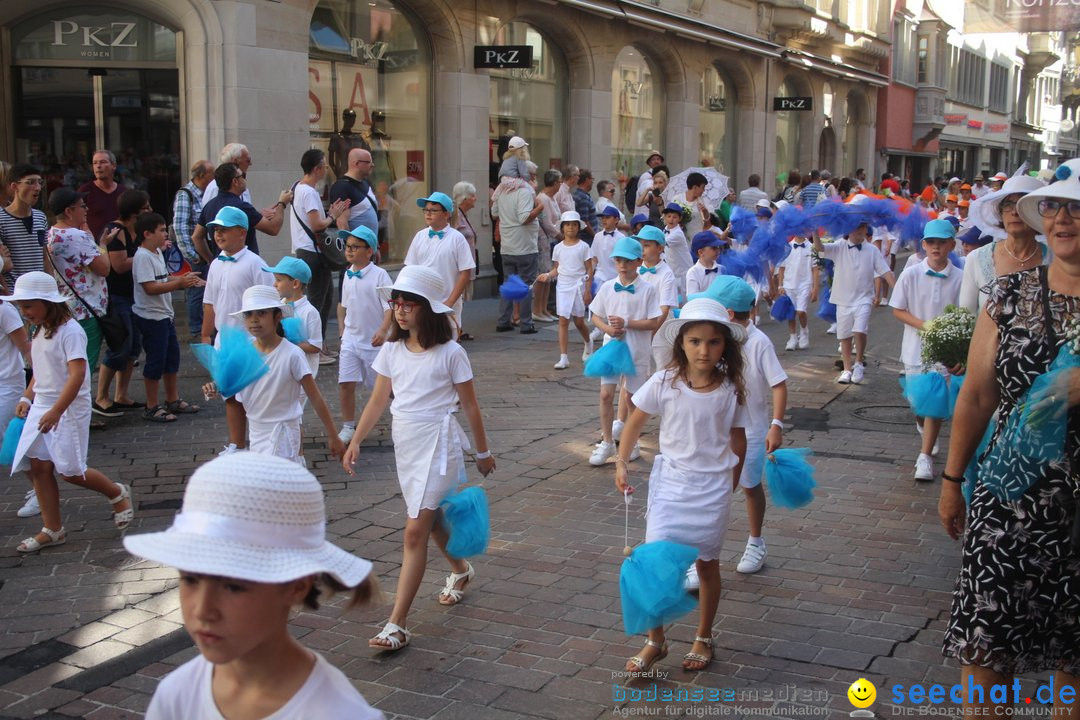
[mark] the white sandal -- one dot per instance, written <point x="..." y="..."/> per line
<point x="387" y="634"/>
<point x="639" y="663"/>
<point x="693" y="657"/>
<point x="32" y="544"/>
<point x="452" y="595"/>
<point x="123" y="518"/>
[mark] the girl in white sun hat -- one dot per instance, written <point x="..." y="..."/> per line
<point x="56" y="406"/>
<point x="250" y="545"/>
<point x="272" y="403"/>
<point x="701" y="399"/>
<point x="428" y="374"/>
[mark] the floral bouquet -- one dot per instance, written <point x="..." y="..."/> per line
<point x="947" y="337"/>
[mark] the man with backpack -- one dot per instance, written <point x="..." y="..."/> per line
<point x="186" y="208"/>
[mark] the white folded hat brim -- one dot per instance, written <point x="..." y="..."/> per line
<point x="985" y="211"/>
<point x="664" y="340"/>
<point x="53" y="296"/>
<point x="438" y="307"/>
<point x="1028" y="207"/>
<point x="286" y="310"/>
<point x="189" y="552"/>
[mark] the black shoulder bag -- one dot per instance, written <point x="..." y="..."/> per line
<point x="112" y="326"/>
<point x="327" y="245"/>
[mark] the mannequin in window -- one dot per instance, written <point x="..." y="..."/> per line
<point x="343" y="141"/>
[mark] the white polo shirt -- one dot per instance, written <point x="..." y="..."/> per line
<point x="664" y="281"/>
<point x="226" y="282"/>
<point x="447" y="255"/>
<point x="855" y="271"/>
<point x="924" y="296"/>
<point x="799" y="266"/>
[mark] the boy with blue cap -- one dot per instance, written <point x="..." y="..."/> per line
<point x="291" y="277"/>
<point x="364" y="319"/>
<point x="706" y="247"/>
<point x="655" y="271"/>
<point x="764" y="379"/>
<point x="922" y="292"/>
<point x="676" y="249"/>
<point x="627" y="310"/>
<point x="443" y="249"/>
<point x="604" y="243"/>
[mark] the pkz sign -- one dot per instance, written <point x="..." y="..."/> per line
<point x="108" y="35"/>
<point x="94" y="35"/>
<point x="780" y="104"/>
<point x="502" y="56"/>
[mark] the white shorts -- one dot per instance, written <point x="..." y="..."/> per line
<point x="753" y="469"/>
<point x="354" y="363"/>
<point x="851" y="319"/>
<point x="569" y="301"/>
<point x="800" y="297"/>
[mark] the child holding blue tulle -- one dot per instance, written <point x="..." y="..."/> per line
<point x="291" y="276"/>
<point x="922" y="291"/>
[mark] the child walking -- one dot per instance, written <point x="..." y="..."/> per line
<point x="236" y="595"/>
<point x="706" y="247"/>
<point x="14" y="357"/>
<point x="153" y="314"/>
<point x="428" y="374"/>
<point x="572" y="268"/>
<point x="272" y="403"/>
<point x="364" y="318"/>
<point x="655" y="271"/>
<point x="700" y="397"/>
<point x="56" y="406"/>
<point x="676" y="249"/>
<point x="798" y="279"/>
<point x="291" y="277"/>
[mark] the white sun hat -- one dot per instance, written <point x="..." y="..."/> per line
<point x="571" y="216"/>
<point x="1066" y="185"/>
<point x="985" y="212"/>
<point x="262" y="297"/>
<point x="36" y="285"/>
<point x="252" y="517"/>
<point x="419" y="280"/>
<point x="695" y="310"/>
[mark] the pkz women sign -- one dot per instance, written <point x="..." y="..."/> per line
<point x="784" y="104"/>
<point x="503" y="57"/>
<point x="93" y="35"/>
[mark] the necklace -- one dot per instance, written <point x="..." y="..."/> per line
<point x="1005" y="246"/>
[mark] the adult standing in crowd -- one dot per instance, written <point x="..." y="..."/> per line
<point x="694" y="198"/>
<point x="239" y="156"/>
<point x="860" y="179"/>
<point x="186" y="208"/>
<point x="102" y="193"/>
<point x="605" y="196"/>
<point x="354" y="187"/>
<point x="828" y="184"/>
<point x="464" y="196"/>
<point x="1015" y="608"/>
<point x="748" y="198"/>
<point x="22" y="228"/>
<point x="813" y="192"/>
<point x="231" y="184"/>
<point x="564" y="196"/>
<point x="636" y="187"/>
<point x="517" y="212"/>
<point x="547" y="237"/>
<point x="584" y="205"/>
<point x="652" y="198"/>
<point x="791" y="187"/>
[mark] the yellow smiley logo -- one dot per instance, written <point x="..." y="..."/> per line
<point x="862" y="693"/>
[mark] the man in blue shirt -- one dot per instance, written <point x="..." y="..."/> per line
<point x="232" y="182"/>
<point x="186" y="208"/>
<point x="585" y="206"/>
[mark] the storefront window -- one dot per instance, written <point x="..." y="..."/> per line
<point x="527" y="102"/>
<point x="716" y="122"/>
<point x="636" y="112"/>
<point x="368" y="86"/>
<point x="787" y="135"/>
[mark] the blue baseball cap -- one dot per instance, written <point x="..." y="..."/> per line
<point x="294" y="267"/>
<point x="939" y="229"/>
<point x="360" y="232"/>
<point x="639" y="219"/>
<point x="673" y="207"/>
<point x="628" y="248"/>
<point x="651" y="232"/>
<point x="975" y="236"/>
<point x="764" y="212"/>
<point x="610" y="211"/>
<point x="706" y="239"/>
<point x="229" y="216"/>
<point x="732" y="292"/>
<point x="952" y="219"/>
<point x="438" y="198"/>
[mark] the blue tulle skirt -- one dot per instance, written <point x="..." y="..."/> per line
<point x="294" y="330"/>
<point x="652" y="585"/>
<point x="513" y="289"/>
<point x="468" y="522"/>
<point x="928" y="394"/>
<point x="234" y="365"/>
<point x="783" y="309"/>
<point x="11" y="440"/>
<point x="613" y="358"/>
<point x="790" y="477"/>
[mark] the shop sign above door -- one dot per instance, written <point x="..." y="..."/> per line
<point x="93" y="34"/>
<point x="780" y="104"/>
<point x="502" y="56"/>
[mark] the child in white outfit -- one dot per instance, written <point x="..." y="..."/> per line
<point x="655" y="271"/>
<point x="706" y="247"/>
<point x="676" y="249"/>
<point x="572" y="268"/>
<point x="798" y="279"/>
<point x="291" y="276"/>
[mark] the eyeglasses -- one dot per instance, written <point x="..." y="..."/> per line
<point x="1007" y="206"/>
<point x="32" y="182"/>
<point x="242" y="175"/>
<point x="353" y="246"/>
<point x="403" y="305"/>
<point x="1050" y="208"/>
<point x="434" y="210"/>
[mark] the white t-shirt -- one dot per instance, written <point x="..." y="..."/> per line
<point x="799" y="266"/>
<point x="305" y="199"/>
<point x="571" y="259"/>
<point x="697" y="280"/>
<point x="186" y="694"/>
<point x="312" y="322"/>
<point x="227" y="281"/>
<point x="149" y="266"/>
<point x="11" y="361"/>
<point x="854" y="272"/>
<point x="50" y="357"/>
<point x="695" y="427"/>
<point x="924" y="296"/>
<point x="364" y="307"/>
<point x="677" y="253"/>
<point x="602" y="245"/>
<point x="642" y="304"/>
<point x="275" y="396"/>
<point x="448" y="255"/>
<point x="664" y="282"/>
<point x="761" y="371"/>
<point x="423" y="382"/>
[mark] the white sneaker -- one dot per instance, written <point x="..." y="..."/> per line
<point x="919" y="428"/>
<point x="596" y="335"/>
<point x="587" y="351"/>
<point x="924" y="467"/>
<point x="858" y="372"/>
<point x="603" y="452"/>
<point x="832" y="329"/>
<point x="346" y="433"/>
<point x="753" y="558"/>
<point x="564" y="362"/>
<point x="934" y="450"/>
<point x="229" y="449"/>
<point x="804" y="339"/>
<point x="693" y="582"/>
<point x="327" y="358"/>
<point x="616" y="430"/>
<point x="635" y="452"/>
<point x="845" y="377"/>
<point x="792" y="343"/>
<point x="31" y="507"/>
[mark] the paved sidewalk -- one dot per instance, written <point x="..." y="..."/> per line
<point x="856" y="585"/>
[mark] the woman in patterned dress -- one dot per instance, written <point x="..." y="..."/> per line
<point x="1016" y="607"/>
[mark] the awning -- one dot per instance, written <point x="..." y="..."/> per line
<point x="805" y="60"/>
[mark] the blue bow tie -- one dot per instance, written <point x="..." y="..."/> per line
<point x="226" y="258"/>
<point x="624" y="288"/>
<point x="354" y="273"/>
<point x="642" y="270"/>
<point x="710" y="271"/>
<point x="436" y="233"/>
<point x="610" y="232"/>
<point x="935" y="273"/>
<point x="798" y="245"/>
<point x="291" y="303"/>
<point x="855" y="247"/>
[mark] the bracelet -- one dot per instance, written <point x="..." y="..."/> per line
<point x="952" y="478"/>
<point x="26" y="400"/>
<point x="280" y="202"/>
<point x="777" y="423"/>
<point x="482" y="455"/>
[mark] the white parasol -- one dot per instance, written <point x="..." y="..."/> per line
<point x="715" y="191"/>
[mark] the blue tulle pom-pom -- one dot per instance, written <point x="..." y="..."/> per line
<point x="783" y="309"/>
<point x="294" y="330"/>
<point x="613" y="358"/>
<point x="652" y="585"/>
<point x="234" y="365"/>
<point x="11" y="440"/>
<point x="1064" y="172"/>
<point x="468" y="522"/>
<point x="927" y="394"/>
<point x="912" y="226"/>
<point x="790" y="477"/>
<point x="742" y="224"/>
<point x="826" y="309"/>
<point x="513" y="289"/>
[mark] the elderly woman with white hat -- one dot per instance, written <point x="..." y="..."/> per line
<point x="1014" y="247"/>
<point x="1016" y="607"/>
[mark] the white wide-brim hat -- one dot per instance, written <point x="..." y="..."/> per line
<point x="571" y="216"/>
<point x="262" y="297"/>
<point x="419" y="280"/>
<point x="1065" y="186"/>
<point x="985" y="212"/>
<point x="696" y="310"/>
<point x="36" y="285"/>
<point x="252" y="517"/>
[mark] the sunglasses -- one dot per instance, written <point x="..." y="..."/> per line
<point x="242" y="175"/>
<point x="31" y="182"/>
<point x="403" y="305"/>
<point x="1050" y="208"/>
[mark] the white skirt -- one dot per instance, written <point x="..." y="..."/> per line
<point x="64" y="446"/>
<point x="688" y="509"/>
<point x="281" y="439"/>
<point x="428" y="471"/>
<point x="569" y="300"/>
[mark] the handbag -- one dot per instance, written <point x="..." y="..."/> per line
<point x="112" y="326"/>
<point x="329" y="247"/>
